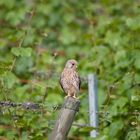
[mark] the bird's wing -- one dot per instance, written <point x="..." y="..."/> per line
<point x="79" y="81"/>
<point x="60" y="81"/>
<point x="76" y="82"/>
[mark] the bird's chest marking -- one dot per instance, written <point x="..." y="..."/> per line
<point x="70" y="80"/>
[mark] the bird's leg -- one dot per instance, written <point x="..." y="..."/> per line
<point x="67" y="96"/>
<point x="75" y="97"/>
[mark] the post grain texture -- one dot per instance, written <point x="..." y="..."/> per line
<point x="93" y="103"/>
<point x="65" y="120"/>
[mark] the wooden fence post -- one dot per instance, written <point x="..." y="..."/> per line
<point x="93" y="103"/>
<point x="65" y="120"/>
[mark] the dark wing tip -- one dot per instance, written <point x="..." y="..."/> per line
<point x="60" y="82"/>
<point x="79" y="82"/>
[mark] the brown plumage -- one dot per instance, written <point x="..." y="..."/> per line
<point x="70" y="80"/>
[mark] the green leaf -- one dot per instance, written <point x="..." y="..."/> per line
<point x="9" y="79"/>
<point x="120" y="55"/>
<point x="132" y="134"/>
<point x="135" y="99"/>
<point x="137" y="63"/>
<point x="24" y="52"/>
<point x="121" y="59"/>
<point x="115" y="128"/>
<point x="67" y="36"/>
<point x="137" y="78"/>
<point x="133" y="23"/>
<point x="87" y="129"/>
<point x="15" y="51"/>
<point x="127" y="81"/>
<point x="118" y="106"/>
<point x="52" y="96"/>
<point x="113" y="39"/>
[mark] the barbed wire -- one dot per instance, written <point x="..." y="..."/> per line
<point x="26" y="105"/>
<point x="37" y="106"/>
<point x="41" y="108"/>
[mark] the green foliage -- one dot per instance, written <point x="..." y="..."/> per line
<point x="24" y="52"/>
<point x="36" y="39"/>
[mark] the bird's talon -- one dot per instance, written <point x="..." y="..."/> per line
<point x="67" y="96"/>
<point x="75" y="97"/>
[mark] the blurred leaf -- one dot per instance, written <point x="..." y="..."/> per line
<point x="54" y="99"/>
<point x="113" y="38"/>
<point x="24" y="52"/>
<point x="137" y="63"/>
<point x="16" y="51"/>
<point x="25" y="68"/>
<point x="137" y="78"/>
<point x="9" y="79"/>
<point x="116" y="127"/>
<point x="67" y="36"/>
<point x="133" y="23"/>
<point x="132" y="135"/>
<point x="118" y="107"/>
<point x="86" y="129"/>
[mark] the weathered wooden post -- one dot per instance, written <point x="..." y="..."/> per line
<point x="65" y="120"/>
<point x="93" y="103"/>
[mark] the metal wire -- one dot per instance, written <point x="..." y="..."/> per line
<point x="37" y="106"/>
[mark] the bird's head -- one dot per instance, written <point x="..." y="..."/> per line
<point x="71" y="64"/>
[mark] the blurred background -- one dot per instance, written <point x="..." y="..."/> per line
<point x="37" y="37"/>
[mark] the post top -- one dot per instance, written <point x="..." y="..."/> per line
<point x="71" y="103"/>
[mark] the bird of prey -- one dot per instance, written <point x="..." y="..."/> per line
<point x="70" y="79"/>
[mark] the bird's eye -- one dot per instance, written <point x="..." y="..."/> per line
<point x="73" y="64"/>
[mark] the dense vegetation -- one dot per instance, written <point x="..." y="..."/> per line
<point x="36" y="39"/>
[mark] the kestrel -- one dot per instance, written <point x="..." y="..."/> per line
<point x="70" y="80"/>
